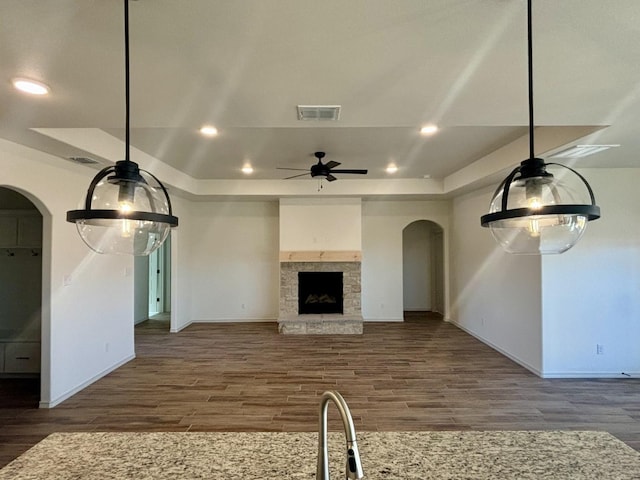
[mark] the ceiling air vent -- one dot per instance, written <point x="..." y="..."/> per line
<point x="319" y="112"/>
<point x="579" y="151"/>
<point x="84" y="160"/>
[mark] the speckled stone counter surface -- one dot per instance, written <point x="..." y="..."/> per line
<point x="385" y="455"/>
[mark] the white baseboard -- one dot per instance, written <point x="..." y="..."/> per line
<point x="519" y="361"/>
<point x="386" y="319"/>
<point x="180" y="328"/>
<point x="591" y="375"/>
<point x="275" y="320"/>
<point x="83" y="385"/>
<point x="236" y="320"/>
<point x="224" y="320"/>
<point x="541" y="374"/>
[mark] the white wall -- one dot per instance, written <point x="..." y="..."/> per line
<point x="591" y="294"/>
<point x="311" y="224"/>
<point x="87" y="326"/>
<point x="382" y="226"/>
<point x="181" y="257"/>
<point x="494" y="296"/>
<point x="232" y="263"/>
<point x="437" y="272"/>
<point x="166" y="254"/>
<point x="141" y="289"/>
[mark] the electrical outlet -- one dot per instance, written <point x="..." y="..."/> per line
<point x="243" y="306"/>
<point x="66" y="280"/>
<point x="106" y="347"/>
<point x="599" y="349"/>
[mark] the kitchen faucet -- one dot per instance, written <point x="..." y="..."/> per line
<point x="354" y="467"/>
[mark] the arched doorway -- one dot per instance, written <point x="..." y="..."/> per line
<point x="21" y="234"/>
<point x="423" y="267"/>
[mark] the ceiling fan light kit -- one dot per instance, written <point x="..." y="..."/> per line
<point x="127" y="210"/>
<point x="532" y="211"/>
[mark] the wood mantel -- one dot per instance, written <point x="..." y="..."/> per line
<point x="321" y="256"/>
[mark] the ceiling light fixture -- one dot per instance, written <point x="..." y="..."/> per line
<point x="392" y="168"/>
<point x="247" y="169"/>
<point x="533" y="212"/>
<point x="127" y="210"/>
<point x="209" y="131"/>
<point x="32" y="87"/>
<point x="428" y="129"/>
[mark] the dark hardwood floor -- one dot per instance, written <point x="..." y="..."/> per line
<point x="423" y="374"/>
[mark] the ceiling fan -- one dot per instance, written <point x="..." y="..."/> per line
<point x="324" y="170"/>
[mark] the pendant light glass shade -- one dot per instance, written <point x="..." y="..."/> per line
<point x="534" y="211"/>
<point x="127" y="211"/>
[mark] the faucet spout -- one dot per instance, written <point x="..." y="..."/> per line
<point x="354" y="466"/>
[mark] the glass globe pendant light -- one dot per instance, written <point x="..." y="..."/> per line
<point x="534" y="211"/>
<point x="127" y="210"/>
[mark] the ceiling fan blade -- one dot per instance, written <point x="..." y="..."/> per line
<point x="330" y="178"/>
<point x="362" y="172"/>
<point x="296" y="176"/>
<point x="287" y="168"/>
<point x="332" y="164"/>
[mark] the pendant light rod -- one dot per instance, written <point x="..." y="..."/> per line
<point x="141" y="219"/>
<point x="531" y="211"/>
<point x="127" y="156"/>
<point x="530" y="67"/>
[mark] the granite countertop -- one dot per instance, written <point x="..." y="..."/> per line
<point x="385" y="455"/>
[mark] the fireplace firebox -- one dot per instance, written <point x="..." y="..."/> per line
<point x="320" y="292"/>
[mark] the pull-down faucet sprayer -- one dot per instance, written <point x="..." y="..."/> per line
<point x="354" y="467"/>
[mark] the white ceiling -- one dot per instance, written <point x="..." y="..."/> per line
<point x="393" y="66"/>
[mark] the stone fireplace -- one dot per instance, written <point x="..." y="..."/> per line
<point x="321" y="237"/>
<point x="322" y="317"/>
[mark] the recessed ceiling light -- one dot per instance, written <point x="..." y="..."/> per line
<point x="392" y="168"/>
<point x="429" y="129"/>
<point x="247" y="169"/>
<point x="32" y="87"/>
<point x="209" y="131"/>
